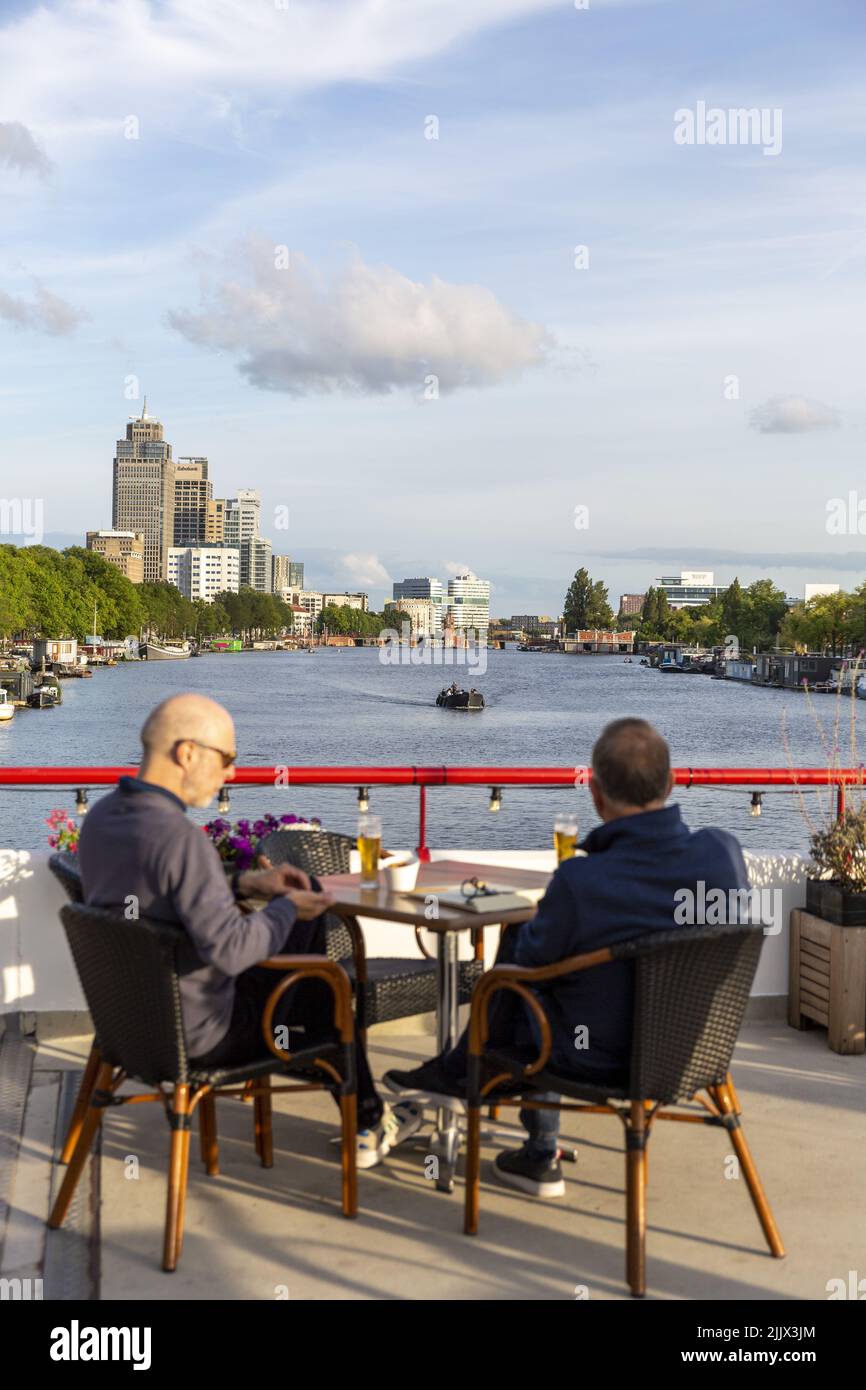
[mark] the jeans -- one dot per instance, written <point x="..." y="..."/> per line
<point x="509" y="1026"/>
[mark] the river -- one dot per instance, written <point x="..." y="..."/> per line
<point x="344" y="706"/>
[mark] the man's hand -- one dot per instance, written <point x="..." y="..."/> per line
<point x="271" y="881"/>
<point x="310" y="905"/>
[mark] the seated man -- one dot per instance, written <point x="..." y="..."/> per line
<point x="137" y="844"/>
<point x="636" y="864"/>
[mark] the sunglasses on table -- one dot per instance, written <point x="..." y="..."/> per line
<point x="228" y="758"/>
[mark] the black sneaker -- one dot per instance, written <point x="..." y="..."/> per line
<point x="429" y="1080"/>
<point x="538" y="1177"/>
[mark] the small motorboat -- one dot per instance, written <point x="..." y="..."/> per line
<point x="7" y="709"/>
<point x="43" y="697"/>
<point x="455" y="697"/>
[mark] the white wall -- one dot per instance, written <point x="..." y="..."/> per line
<point x="37" y="974"/>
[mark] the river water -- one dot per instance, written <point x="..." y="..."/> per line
<point x="344" y="706"/>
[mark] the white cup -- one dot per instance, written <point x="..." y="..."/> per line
<point x="404" y="875"/>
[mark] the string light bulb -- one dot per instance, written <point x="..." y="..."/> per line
<point x="363" y="799"/>
<point x="757" y="804"/>
<point x="224" y="804"/>
<point x="495" y="803"/>
<point x="81" y="803"/>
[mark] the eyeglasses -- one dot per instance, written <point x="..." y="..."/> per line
<point x="475" y="888"/>
<point x="228" y="758"/>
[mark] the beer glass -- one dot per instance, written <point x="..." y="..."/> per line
<point x="564" y="837"/>
<point x="369" y="848"/>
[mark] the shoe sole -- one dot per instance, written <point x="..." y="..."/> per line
<point x="371" y="1158"/>
<point x="529" y="1185"/>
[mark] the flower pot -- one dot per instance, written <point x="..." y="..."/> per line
<point x="825" y="897"/>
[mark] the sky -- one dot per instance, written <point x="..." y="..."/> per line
<point x="458" y="284"/>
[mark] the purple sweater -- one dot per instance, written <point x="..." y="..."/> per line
<point x="138" y="841"/>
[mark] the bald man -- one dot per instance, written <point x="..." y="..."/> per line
<point x="138" y="845"/>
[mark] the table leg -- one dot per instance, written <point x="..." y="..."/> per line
<point x="446" y="1138"/>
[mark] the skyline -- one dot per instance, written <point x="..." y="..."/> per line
<point x="154" y="257"/>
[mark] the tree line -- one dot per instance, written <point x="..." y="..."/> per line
<point x="757" y="615"/>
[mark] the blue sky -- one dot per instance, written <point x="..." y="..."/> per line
<point x="607" y="387"/>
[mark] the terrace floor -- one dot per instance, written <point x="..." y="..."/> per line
<point x="253" y="1233"/>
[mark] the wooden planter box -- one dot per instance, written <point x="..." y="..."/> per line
<point x="827" y="982"/>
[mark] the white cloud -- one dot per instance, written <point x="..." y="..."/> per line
<point x="793" y="415"/>
<point x="453" y="567"/>
<point x="370" y="330"/>
<point x="19" y="150"/>
<point x="45" y="313"/>
<point x="365" y="571"/>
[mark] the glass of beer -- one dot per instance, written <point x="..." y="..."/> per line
<point x="564" y="837"/>
<point x="369" y="848"/>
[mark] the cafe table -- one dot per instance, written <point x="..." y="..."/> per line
<point x="421" y="908"/>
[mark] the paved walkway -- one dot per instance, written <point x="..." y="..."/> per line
<point x="266" y="1234"/>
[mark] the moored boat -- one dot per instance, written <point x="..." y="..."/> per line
<point x="7" y="709"/>
<point x="154" y="651"/>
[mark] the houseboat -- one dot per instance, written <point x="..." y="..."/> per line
<point x="7" y="709"/>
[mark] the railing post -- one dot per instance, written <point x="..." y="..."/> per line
<point x="422" y="851"/>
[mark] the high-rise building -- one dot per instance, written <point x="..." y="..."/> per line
<point x="468" y="606"/>
<point x="424" y="588"/>
<point x="214" y="521"/>
<point x="241" y="516"/>
<point x="192" y="493"/>
<point x="256" y="564"/>
<point x="203" y="571"/>
<point x="296" y="574"/>
<point x="125" y="549"/>
<point x="143" y="490"/>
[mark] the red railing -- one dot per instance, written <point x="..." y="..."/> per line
<point x="441" y="776"/>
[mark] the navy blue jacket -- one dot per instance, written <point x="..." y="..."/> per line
<point x="626" y="886"/>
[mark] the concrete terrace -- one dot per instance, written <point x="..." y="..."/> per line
<point x="253" y="1233"/>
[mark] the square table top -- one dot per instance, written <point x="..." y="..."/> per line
<point x="353" y="901"/>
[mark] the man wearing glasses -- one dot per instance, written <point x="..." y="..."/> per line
<point x="138" y="850"/>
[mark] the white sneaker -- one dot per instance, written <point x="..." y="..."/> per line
<point x="398" y="1122"/>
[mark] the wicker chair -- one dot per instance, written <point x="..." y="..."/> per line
<point x="691" y="987"/>
<point x="129" y="971"/>
<point x="391" y="987"/>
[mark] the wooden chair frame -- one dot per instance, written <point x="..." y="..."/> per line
<point x="101" y="1081"/>
<point x="637" y="1116"/>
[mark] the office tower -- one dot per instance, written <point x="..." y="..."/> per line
<point x="630" y="604"/>
<point x="690" y="588"/>
<point x="203" y="571"/>
<point x="124" y="549"/>
<point x="296" y="574"/>
<point x="192" y="493"/>
<point x="214" y="521"/>
<point x="241" y="516"/>
<point x="256" y="564"/>
<point x="420" y="612"/>
<point x="424" y="588"/>
<point x="468" y="606"/>
<point x="143" y="490"/>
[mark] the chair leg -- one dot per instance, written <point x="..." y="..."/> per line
<point x="349" y="1114"/>
<point x="82" y="1101"/>
<point x="473" y="1169"/>
<point x="493" y="1112"/>
<point x="263" y="1122"/>
<point x="726" y="1103"/>
<point x="207" y="1133"/>
<point x="177" y="1173"/>
<point x="734" y="1097"/>
<point x="635" y="1200"/>
<point x="78" y="1158"/>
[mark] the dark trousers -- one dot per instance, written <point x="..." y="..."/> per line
<point x="308" y="1005"/>
<point x="511" y="1031"/>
